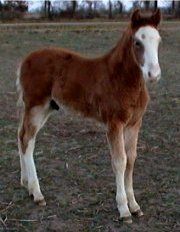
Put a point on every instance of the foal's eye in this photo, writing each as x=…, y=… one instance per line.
x=137, y=43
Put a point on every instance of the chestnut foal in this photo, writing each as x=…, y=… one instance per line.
x=111, y=89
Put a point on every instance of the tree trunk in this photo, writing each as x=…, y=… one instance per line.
x=90, y=10
x=155, y=5
x=47, y=9
x=147, y=5
x=173, y=7
x=110, y=9
x=136, y=4
x=178, y=9
x=120, y=7
x=95, y=7
x=74, y=6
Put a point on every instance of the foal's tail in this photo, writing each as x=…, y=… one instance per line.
x=19, y=88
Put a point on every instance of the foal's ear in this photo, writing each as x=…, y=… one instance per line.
x=156, y=17
x=135, y=18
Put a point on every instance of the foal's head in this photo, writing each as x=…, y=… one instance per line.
x=146, y=40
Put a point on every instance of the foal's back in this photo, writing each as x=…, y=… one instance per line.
x=61, y=74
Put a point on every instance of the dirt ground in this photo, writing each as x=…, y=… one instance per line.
x=72, y=156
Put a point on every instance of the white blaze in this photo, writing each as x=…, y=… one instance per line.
x=150, y=39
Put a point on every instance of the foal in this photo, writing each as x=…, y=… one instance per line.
x=111, y=89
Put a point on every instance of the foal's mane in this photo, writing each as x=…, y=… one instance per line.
x=121, y=59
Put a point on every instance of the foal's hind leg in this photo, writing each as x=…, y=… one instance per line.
x=33, y=120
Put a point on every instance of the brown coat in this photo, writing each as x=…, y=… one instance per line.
x=107, y=88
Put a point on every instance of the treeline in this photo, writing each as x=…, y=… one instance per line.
x=80, y=9
x=13, y=9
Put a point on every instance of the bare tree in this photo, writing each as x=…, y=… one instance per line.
x=95, y=6
x=13, y=9
x=146, y=5
x=173, y=6
x=120, y=6
x=1, y=6
x=47, y=9
x=155, y=5
x=110, y=9
x=21, y=6
x=74, y=7
x=90, y=11
x=136, y=4
x=177, y=9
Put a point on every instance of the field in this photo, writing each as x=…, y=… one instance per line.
x=72, y=156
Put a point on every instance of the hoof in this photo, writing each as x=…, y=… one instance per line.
x=138, y=213
x=40, y=202
x=127, y=220
x=31, y=194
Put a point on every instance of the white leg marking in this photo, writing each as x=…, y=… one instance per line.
x=24, y=177
x=119, y=159
x=133, y=205
x=131, y=137
x=119, y=169
x=33, y=183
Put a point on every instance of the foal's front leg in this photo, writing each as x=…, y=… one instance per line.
x=131, y=137
x=119, y=161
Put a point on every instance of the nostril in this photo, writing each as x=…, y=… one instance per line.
x=149, y=74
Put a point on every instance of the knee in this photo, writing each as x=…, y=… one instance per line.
x=131, y=153
x=130, y=163
x=119, y=163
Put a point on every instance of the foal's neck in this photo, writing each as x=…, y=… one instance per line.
x=122, y=62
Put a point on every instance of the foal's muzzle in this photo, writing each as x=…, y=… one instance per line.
x=154, y=73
